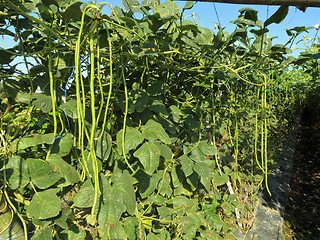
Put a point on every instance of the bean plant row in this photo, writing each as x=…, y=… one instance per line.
x=140, y=124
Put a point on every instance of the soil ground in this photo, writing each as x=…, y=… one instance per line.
x=302, y=214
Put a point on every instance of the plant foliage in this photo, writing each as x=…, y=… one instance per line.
x=125, y=127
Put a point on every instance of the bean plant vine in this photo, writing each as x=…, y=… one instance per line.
x=151, y=127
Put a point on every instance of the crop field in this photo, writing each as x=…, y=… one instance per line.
x=118, y=127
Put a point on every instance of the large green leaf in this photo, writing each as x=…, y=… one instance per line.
x=187, y=165
x=62, y=146
x=159, y=107
x=203, y=170
x=219, y=180
x=19, y=176
x=132, y=138
x=123, y=191
x=207, y=149
x=44, y=233
x=113, y=229
x=73, y=232
x=109, y=207
x=71, y=108
x=149, y=156
x=168, y=10
x=177, y=176
x=134, y=228
x=6, y=57
x=109, y=203
x=61, y=221
x=40, y=100
x=132, y=5
x=103, y=145
x=188, y=5
x=45, y=12
x=153, y=131
x=43, y=174
x=67, y=171
x=30, y=141
x=278, y=16
x=84, y=198
x=166, y=189
x=44, y=205
x=189, y=225
x=73, y=11
x=175, y=113
x=147, y=184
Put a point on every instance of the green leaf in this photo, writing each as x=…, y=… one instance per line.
x=123, y=191
x=183, y=204
x=175, y=113
x=73, y=11
x=44, y=233
x=20, y=174
x=197, y=155
x=6, y=57
x=44, y=205
x=113, y=201
x=84, y=198
x=159, y=107
x=165, y=152
x=108, y=204
x=193, y=181
x=204, y=37
x=278, y=16
x=165, y=187
x=133, y=138
x=168, y=10
x=153, y=131
x=109, y=207
x=45, y=12
x=40, y=100
x=71, y=108
x=214, y=221
x=134, y=228
x=147, y=184
x=42, y=174
x=187, y=165
x=249, y=13
x=31, y=140
x=203, y=170
x=67, y=171
x=132, y=5
x=189, y=42
x=113, y=229
x=61, y=221
x=62, y=146
x=73, y=232
x=189, y=225
x=149, y=156
x=220, y=179
x=87, y=156
x=177, y=176
x=103, y=145
x=207, y=149
x=188, y=5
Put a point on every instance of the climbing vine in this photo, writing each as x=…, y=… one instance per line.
x=140, y=128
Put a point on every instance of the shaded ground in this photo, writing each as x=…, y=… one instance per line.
x=302, y=214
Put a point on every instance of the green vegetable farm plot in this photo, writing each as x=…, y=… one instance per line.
x=140, y=128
